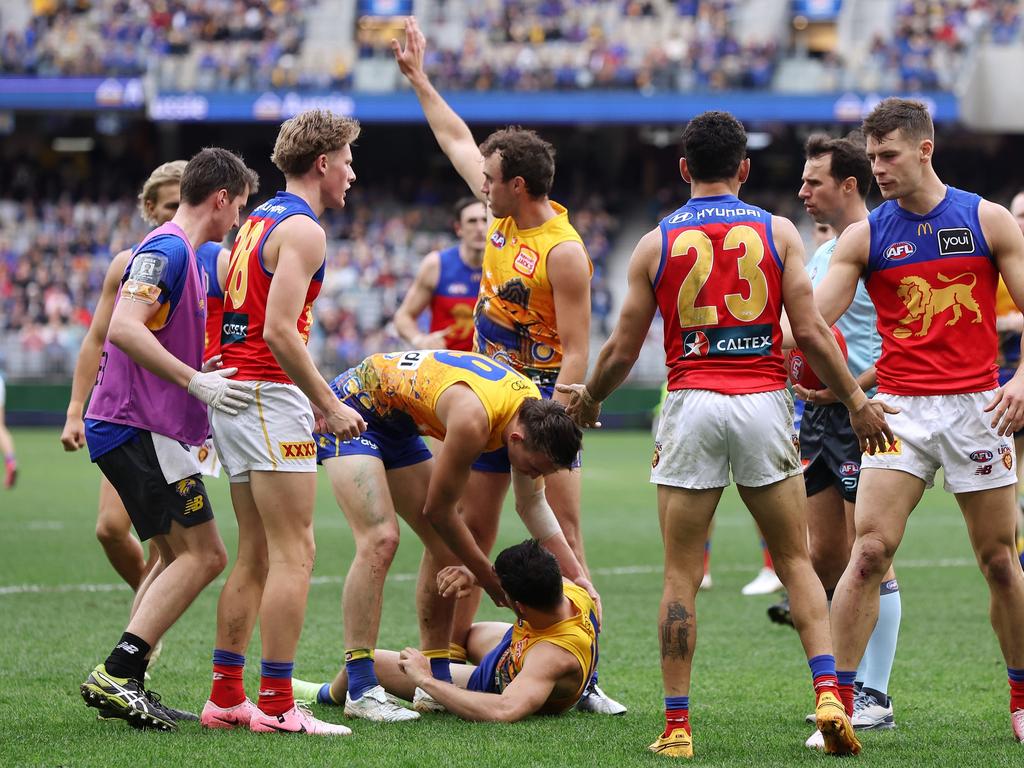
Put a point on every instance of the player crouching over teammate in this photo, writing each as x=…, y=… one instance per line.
x=539, y=665
x=473, y=404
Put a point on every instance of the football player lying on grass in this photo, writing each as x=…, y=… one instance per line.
x=539, y=665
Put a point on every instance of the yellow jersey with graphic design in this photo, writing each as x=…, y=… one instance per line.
x=401, y=389
x=515, y=314
x=577, y=635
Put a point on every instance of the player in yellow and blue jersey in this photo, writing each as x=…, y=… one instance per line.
x=473, y=404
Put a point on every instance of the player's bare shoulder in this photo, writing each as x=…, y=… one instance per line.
x=301, y=235
x=787, y=240
x=116, y=270
x=646, y=258
x=854, y=244
x=999, y=228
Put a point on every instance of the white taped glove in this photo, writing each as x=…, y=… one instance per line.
x=219, y=392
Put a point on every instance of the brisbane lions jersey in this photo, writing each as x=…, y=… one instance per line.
x=933, y=282
x=248, y=284
x=719, y=289
x=452, y=304
x=207, y=255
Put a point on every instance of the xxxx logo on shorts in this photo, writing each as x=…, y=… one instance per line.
x=896, y=449
x=300, y=450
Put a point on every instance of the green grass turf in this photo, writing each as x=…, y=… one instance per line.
x=751, y=683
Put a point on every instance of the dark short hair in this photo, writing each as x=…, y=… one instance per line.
x=530, y=575
x=547, y=428
x=714, y=145
x=462, y=204
x=848, y=158
x=525, y=154
x=910, y=117
x=213, y=169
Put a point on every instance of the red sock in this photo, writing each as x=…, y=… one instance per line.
x=275, y=695
x=767, y=555
x=824, y=683
x=677, y=718
x=227, y=690
x=846, y=695
x=1016, y=694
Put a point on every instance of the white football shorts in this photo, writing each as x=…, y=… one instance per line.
x=274, y=434
x=948, y=431
x=703, y=434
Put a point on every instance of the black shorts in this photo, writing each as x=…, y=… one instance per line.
x=829, y=450
x=134, y=470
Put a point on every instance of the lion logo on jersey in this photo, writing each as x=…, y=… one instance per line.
x=924, y=302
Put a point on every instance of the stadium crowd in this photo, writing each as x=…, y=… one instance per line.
x=243, y=44
x=53, y=256
x=521, y=45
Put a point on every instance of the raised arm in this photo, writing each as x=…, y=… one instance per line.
x=450, y=130
x=72, y=437
x=620, y=352
x=569, y=272
x=416, y=301
x=301, y=247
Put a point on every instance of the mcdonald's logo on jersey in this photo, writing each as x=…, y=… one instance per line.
x=924, y=228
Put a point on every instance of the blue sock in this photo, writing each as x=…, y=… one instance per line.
x=277, y=669
x=323, y=696
x=876, y=664
x=825, y=664
x=228, y=658
x=361, y=676
x=677, y=702
x=846, y=678
x=441, y=669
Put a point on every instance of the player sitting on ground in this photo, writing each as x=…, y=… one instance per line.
x=473, y=404
x=539, y=665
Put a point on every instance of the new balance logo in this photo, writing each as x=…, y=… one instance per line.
x=128, y=648
x=269, y=693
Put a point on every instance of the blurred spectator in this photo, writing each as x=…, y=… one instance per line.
x=53, y=257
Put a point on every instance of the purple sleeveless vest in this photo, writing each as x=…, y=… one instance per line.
x=129, y=394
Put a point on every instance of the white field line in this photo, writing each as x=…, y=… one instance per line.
x=622, y=570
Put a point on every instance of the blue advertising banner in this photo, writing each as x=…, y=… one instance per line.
x=607, y=107
x=71, y=93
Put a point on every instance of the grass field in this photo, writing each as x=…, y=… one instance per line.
x=62, y=606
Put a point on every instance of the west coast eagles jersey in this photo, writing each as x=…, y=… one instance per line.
x=406, y=386
x=515, y=315
x=577, y=635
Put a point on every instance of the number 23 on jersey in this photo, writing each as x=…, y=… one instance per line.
x=743, y=245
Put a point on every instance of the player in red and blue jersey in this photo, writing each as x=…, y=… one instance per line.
x=213, y=260
x=931, y=256
x=448, y=282
x=276, y=269
x=720, y=271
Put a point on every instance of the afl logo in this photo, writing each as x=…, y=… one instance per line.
x=695, y=344
x=849, y=468
x=679, y=218
x=898, y=251
x=981, y=456
x=498, y=240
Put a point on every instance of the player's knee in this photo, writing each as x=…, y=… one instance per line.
x=109, y=533
x=1001, y=568
x=872, y=557
x=213, y=560
x=380, y=545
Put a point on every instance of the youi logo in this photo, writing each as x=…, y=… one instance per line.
x=901, y=250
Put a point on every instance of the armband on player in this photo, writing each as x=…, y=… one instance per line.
x=144, y=281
